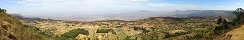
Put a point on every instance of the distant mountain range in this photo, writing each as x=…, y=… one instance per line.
x=145, y=14
x=203, y=13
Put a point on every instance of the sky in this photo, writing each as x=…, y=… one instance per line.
x=104, y=7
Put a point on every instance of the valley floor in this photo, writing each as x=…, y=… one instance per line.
x=155, y=28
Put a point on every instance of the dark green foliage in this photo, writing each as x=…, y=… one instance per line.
x=179, y=33
x=104, y=30
x=139, y=28
x=128, y=38
x=74, y=33
x=203, y=32
x=118, y=26
x=154, y=35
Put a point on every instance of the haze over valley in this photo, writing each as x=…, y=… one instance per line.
x=121, y=19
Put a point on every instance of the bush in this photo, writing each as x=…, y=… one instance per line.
x=203, y=32
x=104, y=30
x=74, y=33
x=164, y=35
x=177, y=32
x=128, y=38
x=118, y=26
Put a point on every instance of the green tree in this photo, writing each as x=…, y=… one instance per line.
x=74, y=33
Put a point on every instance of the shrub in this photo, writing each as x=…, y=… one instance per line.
x=164, y=35
x=177, y=32
x=74, y=33
x=203, y=32
x=118, y=26
x=104, y=30
x=128, y=38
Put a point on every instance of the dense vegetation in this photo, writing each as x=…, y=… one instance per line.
x=74, y=33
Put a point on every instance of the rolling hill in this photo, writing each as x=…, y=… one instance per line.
x=13, y=29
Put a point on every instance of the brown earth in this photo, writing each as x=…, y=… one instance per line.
x=12, y=29
x=236, y=34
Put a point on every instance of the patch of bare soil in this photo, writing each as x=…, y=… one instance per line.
x=236, y=34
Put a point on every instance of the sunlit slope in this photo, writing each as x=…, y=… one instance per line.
x=235, y=34
x=12, y=29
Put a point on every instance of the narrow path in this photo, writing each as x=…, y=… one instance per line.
x=237, y=34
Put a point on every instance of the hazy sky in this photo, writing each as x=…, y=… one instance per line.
x=96, y=7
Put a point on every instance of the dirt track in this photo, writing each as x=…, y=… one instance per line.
x=236, y=34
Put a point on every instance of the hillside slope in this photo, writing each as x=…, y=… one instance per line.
x=233, y=30
x=12, y=29
x=235, y=34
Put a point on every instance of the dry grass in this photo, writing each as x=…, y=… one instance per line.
x=13, y=29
